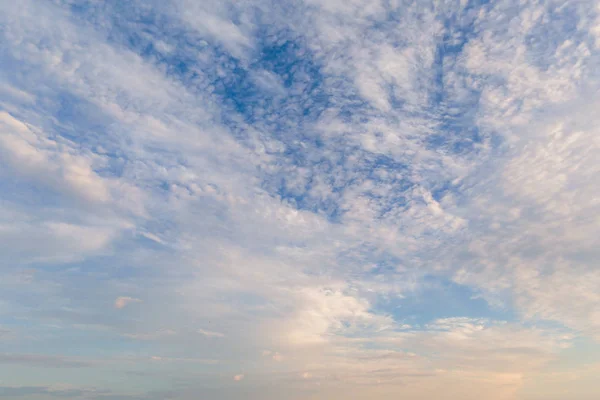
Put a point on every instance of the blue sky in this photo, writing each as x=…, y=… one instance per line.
x=300, y=199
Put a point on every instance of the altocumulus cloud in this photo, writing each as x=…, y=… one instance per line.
x=398, y=199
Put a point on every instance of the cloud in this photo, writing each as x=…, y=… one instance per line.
x=123, y=301
x=211, y=19
x=150, y=336
x=535, y=223
x=330, y=311
x=44, y=361
x=34, y=156
x=238, y=378
x=210, y=334
x=21, y=391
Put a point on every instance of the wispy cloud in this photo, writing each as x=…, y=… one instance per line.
x=210, y=334
x=39, y=360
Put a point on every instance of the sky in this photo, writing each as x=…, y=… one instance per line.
x=299, y=199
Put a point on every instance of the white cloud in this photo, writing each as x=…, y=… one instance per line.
x=34, y=156
x=536, y=211
x=145, y=336
x=47, y=241
x=210, y=334
x=210, y=19
x=326, y=312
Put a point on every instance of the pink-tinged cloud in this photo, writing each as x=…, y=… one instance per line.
x=275, y=356
x=238, y=378
x=123, y=301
